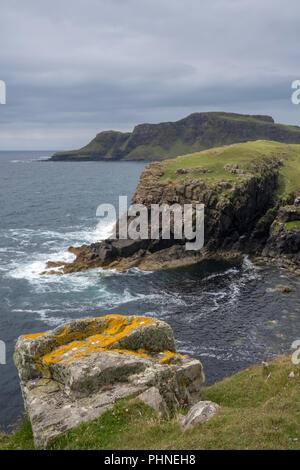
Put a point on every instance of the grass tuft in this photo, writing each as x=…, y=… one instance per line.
x=259, y=410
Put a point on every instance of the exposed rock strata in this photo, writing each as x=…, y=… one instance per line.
x=245, y=213
x=168, y=139
x=80, y=369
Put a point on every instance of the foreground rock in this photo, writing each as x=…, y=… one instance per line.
x=153, y=398
x=200, y=413
x=280, y=288
x=80, y=369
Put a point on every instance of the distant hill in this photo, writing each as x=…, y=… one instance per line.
x=196, y=132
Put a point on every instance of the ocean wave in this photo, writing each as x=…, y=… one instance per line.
x=109, y=299
x=32, y=265
x=78, y=234
x=31, y=160
x=45, y=315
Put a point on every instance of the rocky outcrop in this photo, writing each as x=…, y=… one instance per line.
x=284, y=235
x=200, y=413
x=80, y=369
x=245, y=213
x=153, y=398
x=168, y=139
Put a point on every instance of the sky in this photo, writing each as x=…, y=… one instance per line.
x=73, y=68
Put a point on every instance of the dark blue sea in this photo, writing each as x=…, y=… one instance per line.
x=220, y=312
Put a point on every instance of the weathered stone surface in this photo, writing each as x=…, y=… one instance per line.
x=153, y=398
x=200, y=413
x=78, y=370
x=283, y=289
x=284, y=242
x=52, y=412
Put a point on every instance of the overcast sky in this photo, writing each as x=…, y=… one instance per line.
x=76, y=67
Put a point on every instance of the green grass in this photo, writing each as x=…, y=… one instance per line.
x=252, y=119
x=243, y=154
x=194, y=133
x=292, y=225
x=259, y=410
x=19, y=440
x=155, y=151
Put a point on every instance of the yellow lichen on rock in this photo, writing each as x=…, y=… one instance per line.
x=116, y=328
x=114, y=325
x=75, y=344
x=92, y=344
x=168, y=356
x=77, y=371
x=35, y=335
x=142, y=337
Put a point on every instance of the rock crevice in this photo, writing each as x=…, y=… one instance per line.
x=80, y=369
x=248, y=209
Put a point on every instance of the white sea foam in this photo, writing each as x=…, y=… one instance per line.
x=31, y=270
x=221, y=274
x=30, y=160
x=109, y=299
x=45, y=315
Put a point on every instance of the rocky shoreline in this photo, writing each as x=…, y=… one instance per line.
x=245, y=213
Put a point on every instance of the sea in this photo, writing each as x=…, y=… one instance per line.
x=224, y=314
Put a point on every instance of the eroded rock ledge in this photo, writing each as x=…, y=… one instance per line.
x=251, y=195
x=80, y=369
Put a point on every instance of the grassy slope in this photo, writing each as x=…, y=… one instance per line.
x=260, y=409
x=212, y=132
x=242, y=154
x=293, y=224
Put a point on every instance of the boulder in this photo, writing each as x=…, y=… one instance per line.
x=153, y=398
x=80, y=369
x=200, y=413
x=283, y=289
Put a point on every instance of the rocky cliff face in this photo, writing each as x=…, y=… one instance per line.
x=194, y=133
x=80, y=369
x=251, y=196
x=284, y=234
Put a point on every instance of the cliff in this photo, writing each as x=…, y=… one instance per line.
x=194, y=133
x=251, y=194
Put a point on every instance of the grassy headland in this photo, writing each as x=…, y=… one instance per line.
x=248, y=156
x=196, y=132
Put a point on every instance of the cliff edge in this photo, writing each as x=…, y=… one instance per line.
x=194, y=133
x=251, y=195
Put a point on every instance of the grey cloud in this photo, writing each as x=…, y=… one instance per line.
x=74, y=68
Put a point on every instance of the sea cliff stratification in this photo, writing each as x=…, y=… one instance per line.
x=196, y=132
x=251, y=196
